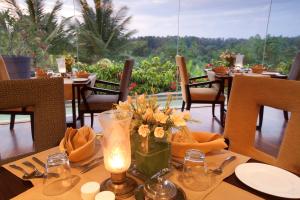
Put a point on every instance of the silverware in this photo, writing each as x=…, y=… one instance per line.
x=90, y=167
x=42, y=164
x=25, y=174
x=75, y=165
x=38, y=161
x=219, y=170
x=37, y=173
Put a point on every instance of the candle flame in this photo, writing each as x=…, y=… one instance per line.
x=117, y=159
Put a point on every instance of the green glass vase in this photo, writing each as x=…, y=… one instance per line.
x=153, y=158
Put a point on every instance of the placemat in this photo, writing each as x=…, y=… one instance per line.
x=233, y=180
x=11, y=185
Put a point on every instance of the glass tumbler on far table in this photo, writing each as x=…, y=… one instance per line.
x=195, y=175
x=58, y=177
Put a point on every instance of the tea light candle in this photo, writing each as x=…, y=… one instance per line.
x=89, y=190
x=105, y=195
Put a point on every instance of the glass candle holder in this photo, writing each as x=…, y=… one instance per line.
x=117, y=152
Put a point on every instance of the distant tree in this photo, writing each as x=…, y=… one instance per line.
x=40, y=30
x=103, y=32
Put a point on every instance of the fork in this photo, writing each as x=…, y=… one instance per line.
x=37, y=173
x=26, y=175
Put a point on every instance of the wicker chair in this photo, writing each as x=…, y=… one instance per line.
x=46, y=96
x=212, y=94
x=14, y=111
x=96, y=102
x=248, y=94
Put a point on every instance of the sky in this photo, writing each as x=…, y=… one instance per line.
x=206, y=18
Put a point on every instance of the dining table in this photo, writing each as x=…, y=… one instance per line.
x=72, y=88
x=223, y=186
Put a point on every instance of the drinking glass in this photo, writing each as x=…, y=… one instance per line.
x=195, y=175
x=61, y=65
x=58, y=177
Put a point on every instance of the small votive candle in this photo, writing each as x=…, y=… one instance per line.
x=105, y=195
x=89, y=190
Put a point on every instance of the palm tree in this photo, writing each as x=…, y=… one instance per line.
x=41, y=30
x=103, y=32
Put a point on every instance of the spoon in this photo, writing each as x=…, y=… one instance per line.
x=219, y=170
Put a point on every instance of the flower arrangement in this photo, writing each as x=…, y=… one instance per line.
x=229, y=56
x=69, y=60
x=150, y=121
x=151, y=131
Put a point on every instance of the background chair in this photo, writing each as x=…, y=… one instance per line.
x=248, y=94
x=212, y=94
x=46, y=96
x=96, y=102
x=294, y=74
x=14, y=111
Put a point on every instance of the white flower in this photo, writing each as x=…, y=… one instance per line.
x=148, y=114
x=160, y=117
x=159, y=132
x=144, y=130
x=123, y=106
x=178, y=120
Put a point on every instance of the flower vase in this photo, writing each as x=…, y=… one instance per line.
x=151, y=155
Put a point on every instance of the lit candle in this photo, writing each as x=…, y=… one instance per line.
x=105, y=195
x=89, y=190
x=116, y=159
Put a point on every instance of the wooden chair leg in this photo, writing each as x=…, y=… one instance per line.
x=81, y=118
x=213, y=110
x=32, y=125
x=286, y=115
x=222, y=111
x=182, y=107
x=92, y=119
x=12, y=121
x=261, y=117
x=188, y=107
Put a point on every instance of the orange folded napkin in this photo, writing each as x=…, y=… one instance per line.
x=40, y=73
x=258, y=69
x=82, y=74
x=221, y=70
x=78, y=144
x=203, y=141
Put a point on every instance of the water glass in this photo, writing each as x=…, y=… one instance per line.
x=195, y=175
x=58, y=177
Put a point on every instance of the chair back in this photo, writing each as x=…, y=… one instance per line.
x=125, y=79
x=184, y=77
x=3, y=71
x=46, y=96
x=247, y=95
x=295, y=69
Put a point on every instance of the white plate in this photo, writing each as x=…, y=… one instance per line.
x=80, y=79
x=269, y=179
x=270, y=73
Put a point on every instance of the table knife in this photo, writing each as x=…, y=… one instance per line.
x=38, y=161
x=90, y=167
